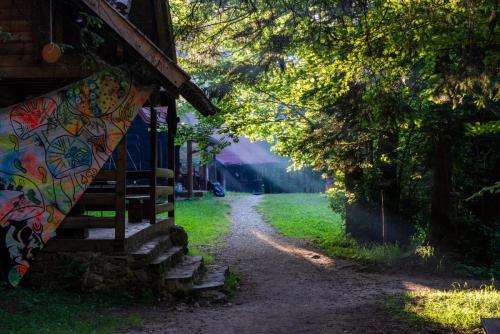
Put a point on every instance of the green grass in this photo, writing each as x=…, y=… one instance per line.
x=206, y=221
x=308, y=216
x=26, y=311
x=232, y=282
x=459, y=309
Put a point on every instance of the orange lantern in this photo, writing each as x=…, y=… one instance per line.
x=51, y=53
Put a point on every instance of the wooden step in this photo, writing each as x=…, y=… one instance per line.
x=214, y=278
x=149, y=250
x=143, y=235
x=182, y=277
x=78, y=222
x=103, y=239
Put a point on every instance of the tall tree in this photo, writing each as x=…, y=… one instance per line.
x=377, y=93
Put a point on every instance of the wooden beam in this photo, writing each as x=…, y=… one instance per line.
x=164, y=191
x=138, y=41
x=94, y=199
x=164, y=207
x=146, y=174
x=106, y=175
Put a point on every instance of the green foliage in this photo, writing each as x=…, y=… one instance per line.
x=232, y=282
x=90, y=41
x=203, y=133
x=24, y=311
x=460, y=309
x=4, y=36
x=337, y=201
x=494, y=189
x=481, y=129
x=363, y=89
x=308, y=216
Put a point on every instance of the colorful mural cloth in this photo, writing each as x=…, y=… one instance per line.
x=51, y=148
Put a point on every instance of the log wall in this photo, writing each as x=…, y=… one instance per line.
x=27, y=22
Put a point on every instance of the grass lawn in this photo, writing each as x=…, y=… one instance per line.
x=206, y=221
x=26, y=311
x=308, y=216
x=459, y=309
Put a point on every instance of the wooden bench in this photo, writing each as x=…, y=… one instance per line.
x=135, y=204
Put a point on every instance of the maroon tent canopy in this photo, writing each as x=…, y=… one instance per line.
x=245, y=152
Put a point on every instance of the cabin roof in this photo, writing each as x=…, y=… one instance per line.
x=112, y=14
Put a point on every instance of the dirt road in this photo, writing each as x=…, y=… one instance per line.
x=287, y=287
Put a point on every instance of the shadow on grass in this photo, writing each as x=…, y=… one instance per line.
x=25, y=311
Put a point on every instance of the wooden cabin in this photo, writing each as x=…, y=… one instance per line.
x=137, y=243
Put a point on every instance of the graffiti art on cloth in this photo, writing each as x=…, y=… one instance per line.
x=51, y=147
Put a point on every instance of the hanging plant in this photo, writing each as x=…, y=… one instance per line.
x=90, y=42
x=4, y=36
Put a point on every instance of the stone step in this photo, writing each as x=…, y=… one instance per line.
x=166, y=260
x=150, y=250
x=183, y=276
x=214, y=278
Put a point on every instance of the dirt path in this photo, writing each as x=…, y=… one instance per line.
x=287, y=287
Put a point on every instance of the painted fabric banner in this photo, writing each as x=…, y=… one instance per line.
x=51, y=148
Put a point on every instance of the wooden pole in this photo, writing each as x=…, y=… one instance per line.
x=153, y=163
x=121, y=188
x=172, y=130
x=189, y=181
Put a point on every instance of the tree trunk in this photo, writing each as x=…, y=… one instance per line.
x=362, y=218
x=393, y=227
x=441, y=205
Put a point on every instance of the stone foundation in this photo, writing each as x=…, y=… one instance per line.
x=87, y=271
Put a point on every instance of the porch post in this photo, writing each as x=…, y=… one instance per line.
x=153, y=163
x=172, y=129
x=121, y=188
x=189, y=180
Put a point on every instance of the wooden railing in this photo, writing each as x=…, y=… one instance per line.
x=115, y=190
x=143, y=194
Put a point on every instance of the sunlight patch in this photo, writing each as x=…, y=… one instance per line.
x=311, y=256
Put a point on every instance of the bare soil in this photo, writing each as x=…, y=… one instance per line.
x=289, y=286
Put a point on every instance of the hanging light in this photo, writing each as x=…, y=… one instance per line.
x=51, y=53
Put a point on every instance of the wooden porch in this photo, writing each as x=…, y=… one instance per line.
x=141, y=204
